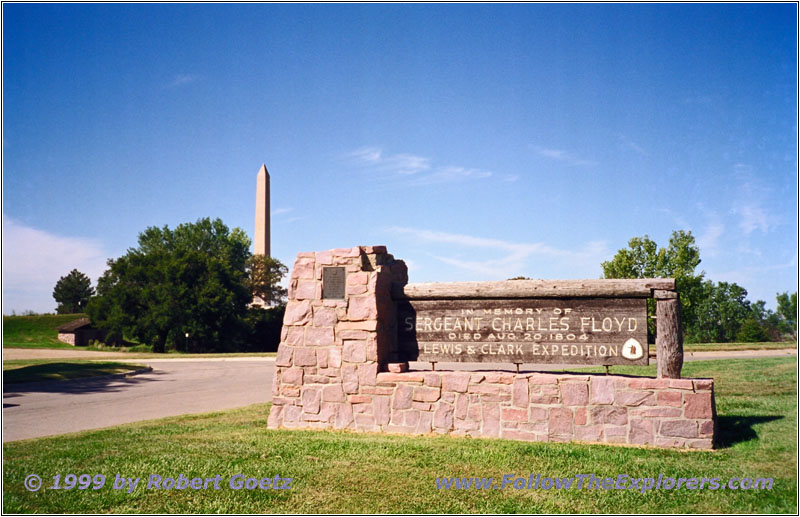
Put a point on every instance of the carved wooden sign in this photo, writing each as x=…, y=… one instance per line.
x=605, y=331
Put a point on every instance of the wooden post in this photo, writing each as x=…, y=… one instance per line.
x=669, y=334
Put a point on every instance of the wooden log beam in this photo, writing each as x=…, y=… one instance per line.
x=592, y=288
x=669, y=336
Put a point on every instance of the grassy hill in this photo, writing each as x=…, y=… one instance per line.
x=35, y=331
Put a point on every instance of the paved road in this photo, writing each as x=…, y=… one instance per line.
x=174, y=387
x=180, y=386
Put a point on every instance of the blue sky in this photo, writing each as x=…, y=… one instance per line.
x=478, y=142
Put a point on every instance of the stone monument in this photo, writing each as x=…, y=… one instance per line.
x=353, y=323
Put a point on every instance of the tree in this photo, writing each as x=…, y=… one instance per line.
x=719, y=313
x=72, y=292
x=787, y=309
x=184, y=289
x=644, y=259
x=264, y=275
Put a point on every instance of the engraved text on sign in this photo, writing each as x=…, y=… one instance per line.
x=568, y=330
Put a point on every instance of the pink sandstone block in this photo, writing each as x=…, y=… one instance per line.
x=560, y=421
x=422, y=394
x=333, y=393
x=349, y=378
x=544, y=394
x=670, y=442
x=317, y=379
x=297, y=313
x=322, y=358
x=457, y=382
x=274, y=421
x=324, y=257
x=408, y=377
x=514, y=414
x=466, y=425
x=659, y=412
x=681, y=384
x=443, y=417
x=303, y=268
x=703, y=384
x=402, y=397
x=574, y=393
x=519, y=395
x=476, y=378
x=543, y=378
x=589, y=433
x=365, y=422
x=377, y=390
x=334, y=357
x=353, y=252
x=367, y=374
x=353, y=290
x=382, y=410
x=275, y=382
x=397, y=367
x=284, y=357
x=324, y=317
x=645, y=383
x=305, y=357
x=352, y=334
x=319, y=336
x=641, y=432
x=635, y=398
x=411, y=418
x=615, y=431
x=581, y=416
x=701, y=444
x=359, y=399
x=295, y=336
x=602, y=390
x=500, y=377
x=537, y=414
x=311, y=399
x=491, y=419
x=422, y=406
x=697, y=405
x=462, y=403
x=290, y=391
x=669, y=398
x=425, y=424
x=706, y=429
x=371, y=325
x=433, y=379
x=291, y=413
x=362, y=308
x=679, y=428
x=305, y=254
x=513, y=434
x=306, y=290
x=490, y=389
x=292, y=376
x=358, y=278
x=354, y=351
x=609, y=415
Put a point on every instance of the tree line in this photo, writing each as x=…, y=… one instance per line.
x=713, y=312
x=191, y=289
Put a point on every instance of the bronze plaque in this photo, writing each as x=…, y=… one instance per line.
x=539, y=330
x=333, y=282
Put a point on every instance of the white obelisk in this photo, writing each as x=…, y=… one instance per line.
x=261, y=246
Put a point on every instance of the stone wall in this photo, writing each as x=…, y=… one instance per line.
x=67, y=337
x=333, y=353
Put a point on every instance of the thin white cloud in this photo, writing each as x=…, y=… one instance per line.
x=182, y=79
x=752, y=217
x=708, y=241
x=562, y=156
x=34, y=260
x=514, y=256
x=279, y=211
x=627, y=143
x=414, y=170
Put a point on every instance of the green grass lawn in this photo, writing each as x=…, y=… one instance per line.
x=35, y=331
x=345, y=472
x=713, y=347
x=33, y=370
